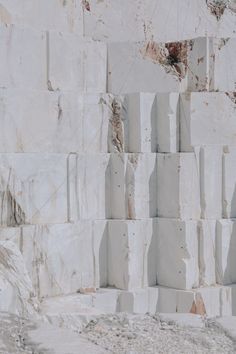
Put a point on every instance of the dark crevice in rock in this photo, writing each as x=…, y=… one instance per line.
x=172, y=56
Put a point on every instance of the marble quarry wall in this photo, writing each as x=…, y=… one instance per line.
x=118, y=154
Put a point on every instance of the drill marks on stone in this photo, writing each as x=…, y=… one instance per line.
x=132, y=164
x=171, y=56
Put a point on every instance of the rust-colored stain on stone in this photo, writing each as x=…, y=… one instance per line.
x=172, y=56
x=198, y=306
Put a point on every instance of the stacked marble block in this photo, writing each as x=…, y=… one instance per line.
x=53, y=154
x=193, y=133
x=118, y=190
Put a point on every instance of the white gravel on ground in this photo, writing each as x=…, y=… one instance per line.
x=132, y=334
x=119, y=333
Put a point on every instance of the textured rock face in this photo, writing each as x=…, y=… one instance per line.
x=118, y=156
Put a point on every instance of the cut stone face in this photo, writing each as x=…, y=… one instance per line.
x=229, y=183
x=136, y=67
x=207, y=249
x=225, y=251
x=131, y=253
x=44, y=15
x=17, y=293
x=168, y=122
x=142, y=122
x=207, y=118
x=133, y=186
x=76, y=65
x=23, y=58
x=33, y=188
x=46, y=250
x=210, y=65
x=211, y=182
x=178, y=194
x=124, y=21
x=177, y=253
x=210, y=301
x=89, y=186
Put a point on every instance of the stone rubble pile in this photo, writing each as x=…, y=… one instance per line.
x=117, y=164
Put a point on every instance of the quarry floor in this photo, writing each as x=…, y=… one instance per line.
x=120, y=333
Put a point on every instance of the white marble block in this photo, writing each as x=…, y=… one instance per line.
x=135, y=67
x=131, y=253
x=89, y=186
x=95, y=113
x=225, y=251
x=133, y=186
x=17, y=294
x=53, y=121
x=206, y=301
x=63, y=258
x=23, y=58
x=211, y=182
x=177, y=253
x=33, y=188
x=211, y=64
x=168, y=122
x=142, y=122
x=233, y=289
x=178, y=193
x=207, y=252
x=229, y=183
x=168, y=21
x=74, y=64
x=65, y=16
x=207, y=118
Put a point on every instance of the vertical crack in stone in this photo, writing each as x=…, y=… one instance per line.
x=117, y=126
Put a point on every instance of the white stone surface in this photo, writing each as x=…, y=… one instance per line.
x=207, y=252
x=233, y=290
x=207, y=118
x=229, y=184
x=211, y=64
x=165, y=21
x=76, y=65
x=65, y=16
x=17, y=294
x=209, y=301
x=177, y=253
x=211, y=182
x=142, y=122
x=225, y=251
x=33, y=188
x=63, y=258
x=133, y=186
x=168, y=122
x=90, y=179
x=131, y=259
x=23, y=58
x=178, y=193
x=131, y=69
